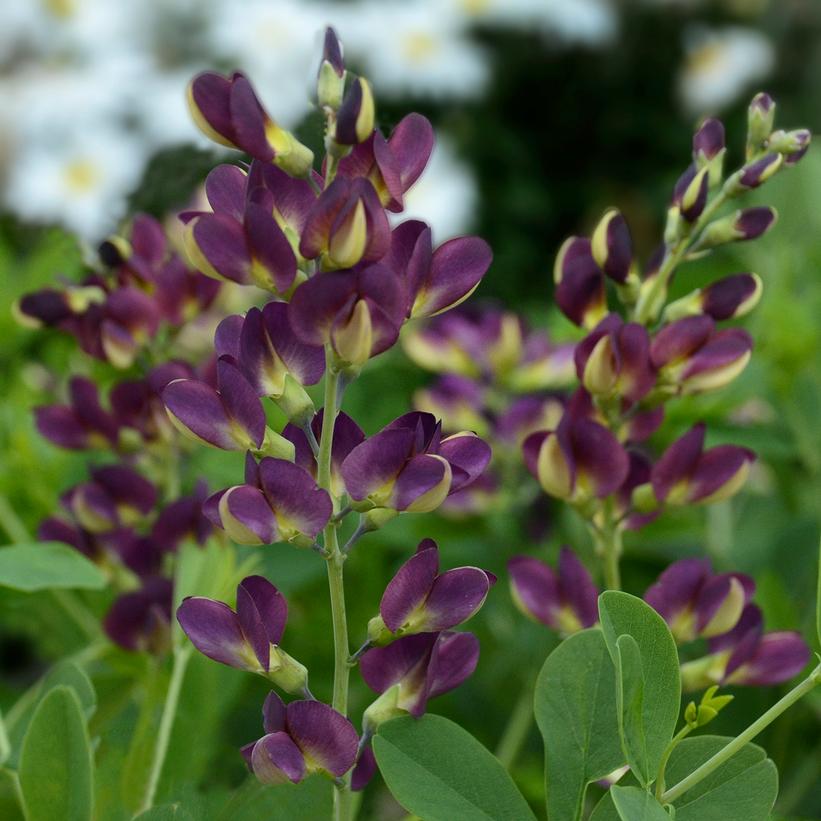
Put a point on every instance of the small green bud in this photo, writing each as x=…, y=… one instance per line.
x=286, y=672
x=295, y=402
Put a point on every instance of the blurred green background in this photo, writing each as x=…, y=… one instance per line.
x=557, y=128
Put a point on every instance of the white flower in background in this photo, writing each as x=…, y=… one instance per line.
x=444, y=196
x=81, y=183
x=585, y=21
x=416, y=47
x=277, y=43
x=721, y=64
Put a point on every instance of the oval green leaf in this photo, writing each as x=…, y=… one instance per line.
x=56, y=768
x=575, y=705
x=440, y=772
x=634, y=804
x=47, y=566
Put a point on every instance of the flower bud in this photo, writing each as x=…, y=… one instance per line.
x=331, y=79
x=611, y=246
x=286, y=672
x=709, y=149
x=579, y=282
x=792, y=144
x=353, y=339
x=754, y=174
x=748, y=223
x=728, y=298
x=355, y=119
x=760, y=118
x=694, y=197
x=295, y=402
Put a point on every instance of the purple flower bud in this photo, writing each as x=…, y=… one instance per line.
x=760, y=119
x=696, y=603
x=751, y=223
x=280, y=503
x=564, y=600
x=332, y=51
x=694, y=196
x=688, y=474
x=612, y=247
x=579, y=282
x=302, y=738
x=230, y=418
x=792, y=144
x=82, y=423
x=408, y=466
x=632, y=490
x=731, y=297
x=141, y=620
x=614, y=360
x=227, y=110
x=580, y=460
x=392, y=165
x=346, y=225
x=759, y=171
x=421, y=600
x=708, y=141
x=414, y=669
x=354, y=120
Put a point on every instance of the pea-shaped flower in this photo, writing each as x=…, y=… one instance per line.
x=279, y=502
x=408, y=466
x=564, y=599
x=302, y=738
x=579, y=283
x=421, y=600
x=695, y=602
x=246, y=638
x=688, y=474
x=141, y=619
x=81, y=424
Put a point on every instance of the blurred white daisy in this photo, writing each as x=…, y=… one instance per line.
x=444, y=196
x=721, y=64
x=418, y=47
x=81, y=184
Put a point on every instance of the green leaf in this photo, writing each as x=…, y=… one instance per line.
x=56, y=767
x=575, y=705
x=818, y=600
x=648, y=679
x=440, y=772
x=66, y=673
x=745, y=786
x=47, y=565
x=168, y=812
x=10, y=809
x=5, y=744
x=634, y=804
x=310, y=800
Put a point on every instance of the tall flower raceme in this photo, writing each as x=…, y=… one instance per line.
x=342, y=284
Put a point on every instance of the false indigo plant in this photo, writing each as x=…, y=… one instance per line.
x=342, y=278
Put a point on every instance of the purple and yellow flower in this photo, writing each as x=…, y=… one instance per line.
x=141, y=620
x=745, y=224
x=302, y=738
x=579, y=292
x=279, y=502
x=227, y=111
x=565, y=599
x=419, y=599
x=408, y=466
x=728, y=298
x=612, y=247
x=183, y=519
x=692, y=357
x=747, y=655
x=358, y=312
x=577, y=461
x=247, y=638
x=686, y=473
x=697, y=603
x=354, y=120
x=414, y=669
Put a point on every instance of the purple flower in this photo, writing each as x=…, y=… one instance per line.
x=695, y=602
x=230, y=418
x=227, y=110
x=301, y=738
x=354, y=120
x=392, y=165
x=614, y=360
x=748, y=656
x=579, y=292
x=183, y=519
x=708, y=141
x=279, y=502
x=690, y=192
x=580, y=460
x=728, y=298
x=140, y=620
x=759, y=171
x=436, y=280
x=692, y=357
x=414, y=669
x=612, y=247
x=82, y=423
x=688, y=474
x=458, y=401
x=346, y=226
x=409, y=466
x=358, y=312
x=565, y=600
x=246, y=638
x=419, y=599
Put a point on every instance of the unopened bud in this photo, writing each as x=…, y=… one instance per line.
x=383, y=709
x=355, y=120
x=295, y=402
x=694, y=197
x=286, y=672
x=353, y=341
x=277, y=446
x=331, y=80
x=748, y=223
x=612, y=247
x=754, y=174
x=792, y=144
x=760, y=119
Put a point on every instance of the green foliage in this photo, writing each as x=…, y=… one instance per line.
x=46, y=566
x=575, y=706
x=56, y=767
x=438, y=771
x=634, y=804
x=168, y=812
x=648, y=688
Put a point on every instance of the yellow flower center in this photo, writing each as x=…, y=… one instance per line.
x=81, y=176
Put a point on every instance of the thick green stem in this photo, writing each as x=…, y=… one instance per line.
x=172, y=700
x=336, y=585
x=517, y=729
x=727, y=752
x=679, y=736
x=607, y=539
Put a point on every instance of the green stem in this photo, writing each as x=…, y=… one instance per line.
x=517, y=729
x=728, y=751
x=336, y=583
x=681, y=734
x=172, y=700
x=607, y=539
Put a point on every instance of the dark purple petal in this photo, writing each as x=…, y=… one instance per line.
x=411, y=143
x=241, y=401
x=297, y=501
x=208, y=95
x=576, y=588
x=276, y=759
x=305, y=362
x=720, y=472
x=214, y=630
x=409, y=588
x=455, y=596
x=612, y=246
x=269, y=247
x=365, y=770
x=678, y=462
x=599, y=456
x=127, y=487
x=468, y=456
x=376, y=461
x=273, y=713
x=382, y=667
x=680, y=339
x=751, y=223
x=246, y=516
x=777, y=658
x=453, y=659
x=216, y=245
x=326, y=738
x=579, y=290
x=227, y=337
x=198, y=409
x=731, y=296
x=677, y=587
x=139, y=620
x=60, y=425
x=249, y=120
x=316, y=304
x=269, y=603
x=535, y=588
x=709, y=140
x=225, y=188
